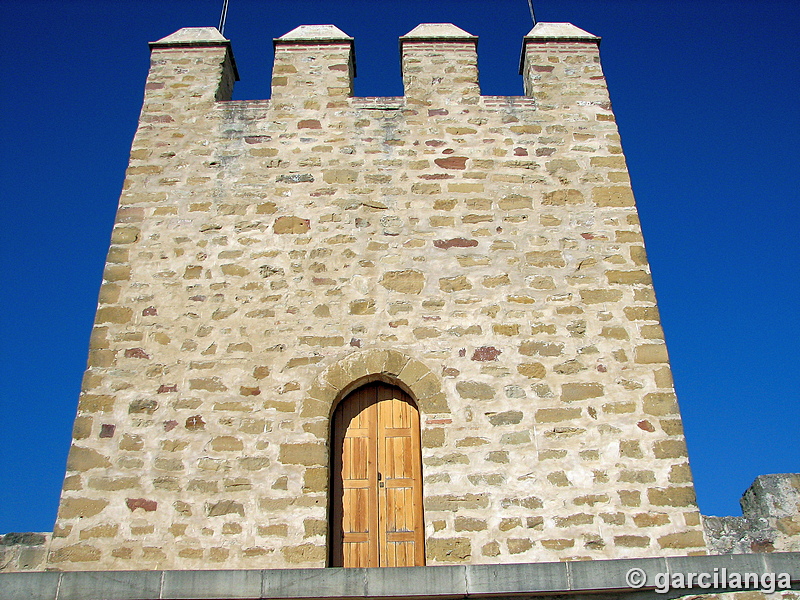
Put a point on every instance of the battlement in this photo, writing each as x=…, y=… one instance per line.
x=438, y=60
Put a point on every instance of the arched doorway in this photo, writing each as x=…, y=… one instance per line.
x=376, y=480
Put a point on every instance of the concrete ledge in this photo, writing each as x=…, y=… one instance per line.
x=576, y=579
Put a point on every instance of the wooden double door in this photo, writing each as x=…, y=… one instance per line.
x=376, y=507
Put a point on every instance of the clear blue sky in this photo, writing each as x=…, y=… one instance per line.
x=705, y=93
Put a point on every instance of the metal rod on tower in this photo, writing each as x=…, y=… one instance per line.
x=530, y=5
x=224, y=16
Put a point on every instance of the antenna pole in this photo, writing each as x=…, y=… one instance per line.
x=530, y=5
x=224, y=16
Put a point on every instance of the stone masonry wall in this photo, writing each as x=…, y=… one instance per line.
x=24, y=551
x=484, y=253
x=770, y=520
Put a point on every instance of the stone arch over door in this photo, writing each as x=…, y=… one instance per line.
x=376, y=517
x=365, y=366
x=362, y=367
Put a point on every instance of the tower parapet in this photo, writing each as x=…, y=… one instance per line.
x=313, y=62
x=560, y=63
x=440, y=65
x=193, y=62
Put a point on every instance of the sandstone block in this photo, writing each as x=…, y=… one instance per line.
x=541, y=349
x=71, y=508
x=650, y=519
x=519, y=545
x=114, y=314
x=563, y=197
x=669, y=449
x=490, y=549
x=448, y=549
x=631, y=541
x=647, y=354
x=558, y=544
x=308, y=454
x=85, y=459
x=532, y=370
x=291, y=225
x=224, y=507
x=660, y=404
x=681, y=540
x=615, y=196
x=475, y=390
x=571, y=392
x=75, y=553
x=340, y=176
x=226, y=443
x=470, y=524
x=672, y=496
x=614, y=333
x=452, y=502
x=454, y=284
x=209, y=384
x=509, y=417
x=545, y=258
x=515, y=202
x=629, y=277
x=600, y=296
x=113, y=484
x=574, y=520
x=364, y=306
x=556, y=415
x=304, y=553
x=641, y=313
x=406, y=282
x=315, y=480
x=433, y=438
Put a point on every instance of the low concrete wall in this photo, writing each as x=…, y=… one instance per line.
x=601, y=579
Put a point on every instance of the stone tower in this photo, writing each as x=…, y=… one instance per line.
x=279, y=268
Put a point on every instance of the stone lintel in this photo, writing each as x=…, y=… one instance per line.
x=555, y=32
x=560, y=32
x=192, y=36
x=314, y=35
x=579, y=579
x=196, y=37
x=437, y=32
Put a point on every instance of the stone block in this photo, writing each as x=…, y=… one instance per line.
x=313, y=583
x=304, y=553
x=195, y=584
x=406, y=282
x=616, y=196
x=30, y=585
x=411, y=582
x=449, y=550
x=650, y=353
x=672, y=496
x=475, y=390
x=513, y=579
x=308, y=454
x=571, y=392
